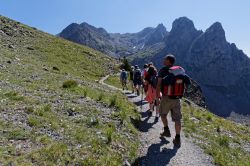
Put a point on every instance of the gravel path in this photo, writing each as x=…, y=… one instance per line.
x=159, y=151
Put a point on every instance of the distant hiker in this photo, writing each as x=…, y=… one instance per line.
x=151, y=97
x=131, y=78
x=150, y=64
x=171, y=82
x=124, y=79
x=137, y=80
x=144, y=74
x=144, y=71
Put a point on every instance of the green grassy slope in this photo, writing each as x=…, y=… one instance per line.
x=227, y=142
x=53, y=111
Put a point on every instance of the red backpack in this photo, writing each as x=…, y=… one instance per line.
x=174, y=83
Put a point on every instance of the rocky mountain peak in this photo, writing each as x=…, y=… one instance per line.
x=161, y=27
x=84, y=24
x=156, y=36
x=216, y=31
x=72, y=28
x=73, y=25
x=102, y=30
x=183, y=23
x=216, y=27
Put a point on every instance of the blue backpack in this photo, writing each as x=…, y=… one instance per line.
x=124, y=75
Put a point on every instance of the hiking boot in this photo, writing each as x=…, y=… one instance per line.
x=177, y=141
x=166, y=132
x=149, y=113
x=138, y=93
x=156, y=119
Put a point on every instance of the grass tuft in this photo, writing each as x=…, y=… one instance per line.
x=70, y=84
x=113, y=101
x=33, y=121
x=100, y=97
x=14, y=96
x=109, y=134
x=223, y=141
x=17, y=134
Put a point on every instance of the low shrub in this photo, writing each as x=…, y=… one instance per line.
x=70, y=84
x=112, y=101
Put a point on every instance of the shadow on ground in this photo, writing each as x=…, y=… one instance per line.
x=132, y=96
x=156, y=155
x=145, y=125
x=140, y=103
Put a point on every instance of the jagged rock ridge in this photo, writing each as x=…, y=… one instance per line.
x=114, y=44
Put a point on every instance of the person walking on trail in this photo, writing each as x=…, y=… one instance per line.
x=151, y=97
x=144, y=71
x=124, y=79
x=137, y=80
x=131, y=78
x=144, y=74
x=171, y=82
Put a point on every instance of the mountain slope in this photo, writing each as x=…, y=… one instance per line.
x=53, y=112
x=113, y=44
x=86, y=34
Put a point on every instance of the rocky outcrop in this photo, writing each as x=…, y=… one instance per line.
x=195, y=95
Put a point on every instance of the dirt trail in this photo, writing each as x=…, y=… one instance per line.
x=158, y=151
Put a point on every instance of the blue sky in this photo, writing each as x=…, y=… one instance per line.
x=133, y=15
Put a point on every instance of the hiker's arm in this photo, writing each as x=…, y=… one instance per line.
x=158, y=88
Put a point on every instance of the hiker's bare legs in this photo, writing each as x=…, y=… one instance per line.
x=166, y=131
x=132, y=86
x=151, y=107
x=164, y=120
x=157, y=111
x=135, y=88
x=125, y=85
x=138, y=88
x=178, y=128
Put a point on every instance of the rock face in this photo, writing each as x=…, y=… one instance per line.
x=220, y=68
x=196, y=95
x=86, y=34
x=113, y=44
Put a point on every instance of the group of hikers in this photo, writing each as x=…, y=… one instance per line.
x=163, y=91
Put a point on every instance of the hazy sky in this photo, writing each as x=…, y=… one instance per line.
x=133, y=15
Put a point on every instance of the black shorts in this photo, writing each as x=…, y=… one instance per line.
x=137, y=82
